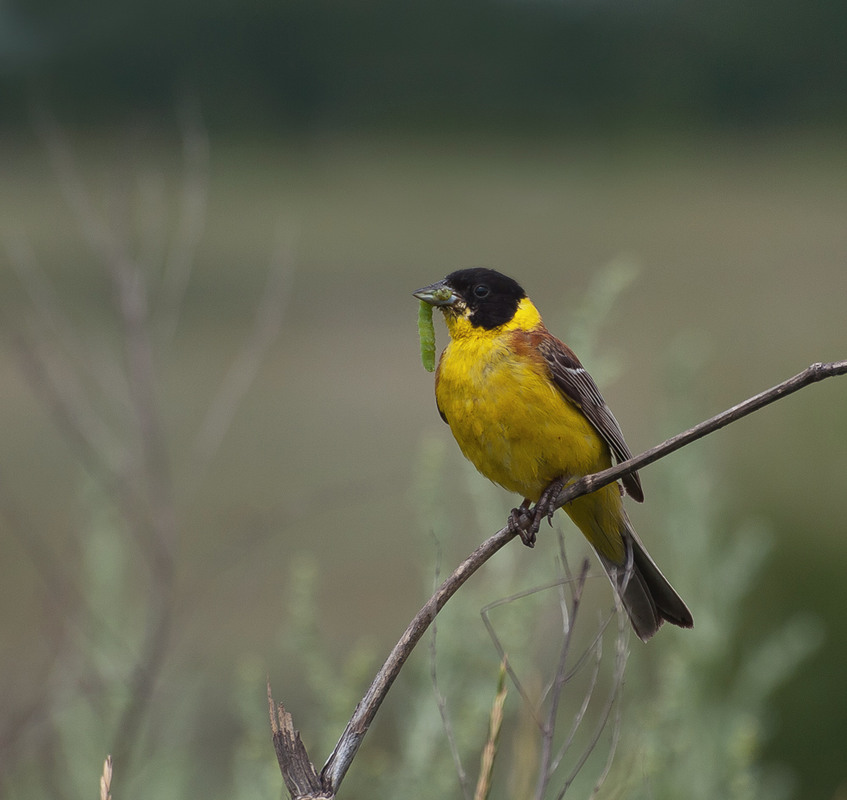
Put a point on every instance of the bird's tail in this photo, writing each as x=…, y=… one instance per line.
x=646, y=594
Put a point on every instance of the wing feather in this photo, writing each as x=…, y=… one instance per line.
x=579, y=387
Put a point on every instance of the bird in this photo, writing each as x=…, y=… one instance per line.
x=528, y=416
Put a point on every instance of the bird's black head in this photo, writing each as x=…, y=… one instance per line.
x=490, y=297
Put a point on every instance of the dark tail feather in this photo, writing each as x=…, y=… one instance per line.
x=646, y=595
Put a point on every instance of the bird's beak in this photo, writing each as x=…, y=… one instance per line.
x=438, y=294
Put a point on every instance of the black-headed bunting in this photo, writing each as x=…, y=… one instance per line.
x=528, y=416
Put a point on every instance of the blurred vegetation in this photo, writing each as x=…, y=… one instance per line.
x=693, y=719
x=315, y=467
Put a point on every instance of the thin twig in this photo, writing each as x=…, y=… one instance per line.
x=595, y=649
x=440, y=700
x=489, y=752
x=617, y=681
x=531, y=705
x=348, y=745
x=562, y=676
x=549, y=729
x=622, y=654
x=812, y=374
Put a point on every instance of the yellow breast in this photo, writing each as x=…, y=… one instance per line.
x=509, y=419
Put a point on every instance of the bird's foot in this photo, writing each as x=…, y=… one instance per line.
x=546, y=505
x=521, y=522
x=525, y=521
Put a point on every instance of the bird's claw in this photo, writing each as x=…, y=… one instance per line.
x=545, y=507
x=523, y=524
x=525, y=521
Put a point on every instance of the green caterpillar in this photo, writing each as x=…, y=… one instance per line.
x=426, y=333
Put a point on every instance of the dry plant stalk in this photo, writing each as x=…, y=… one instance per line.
x=486, y=767
x=106, y=780
x=302, y=780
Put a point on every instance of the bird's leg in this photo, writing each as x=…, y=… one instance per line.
x=545, y=507
x=521, y=521
x=526, y=521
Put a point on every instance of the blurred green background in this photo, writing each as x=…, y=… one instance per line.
x=280, y=177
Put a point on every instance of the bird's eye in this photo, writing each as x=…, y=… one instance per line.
x=481, y=290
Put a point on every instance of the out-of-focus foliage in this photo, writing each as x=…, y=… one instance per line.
x=740, y=239
x=329, y=63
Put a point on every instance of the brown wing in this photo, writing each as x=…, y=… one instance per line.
x=578, y=386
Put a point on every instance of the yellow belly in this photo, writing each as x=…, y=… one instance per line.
x=518, y=429
x=511, y=423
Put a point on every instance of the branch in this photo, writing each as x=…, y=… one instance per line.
x=338, y=763
x=348, y=745
x=812, y=374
